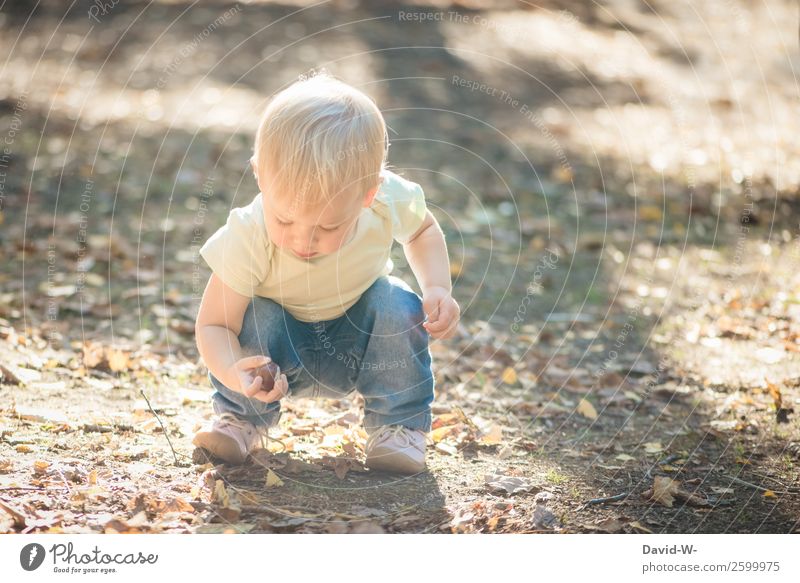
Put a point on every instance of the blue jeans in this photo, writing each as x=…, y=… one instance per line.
x=378, y=347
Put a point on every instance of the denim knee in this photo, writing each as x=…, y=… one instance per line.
x=396, y=376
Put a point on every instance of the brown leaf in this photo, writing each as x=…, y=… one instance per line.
x=117, y=526
x=16, y=515
x=177, y=504
x=228, y=514
x=367, y=527
x=341, y=467
x=664, y=490
x=610, y=524
x=220, y=495
x=8, y=376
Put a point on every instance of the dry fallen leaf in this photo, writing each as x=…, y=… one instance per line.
x=586, y=409
x=610, y=524
x=220, y=495
x=503, y=484
x=653, y=447
x=664, y=490
x=509, y=376
x=341, y=467
x=493, y=436
x=40, y=467
x=117, y=360
x=273, y=480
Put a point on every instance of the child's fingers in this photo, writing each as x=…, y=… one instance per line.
x=253, y=387
x=269, y=396
x=280, y=389
x=444, y=328
x=439, y=324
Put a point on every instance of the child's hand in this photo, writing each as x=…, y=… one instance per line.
x=250, y=384
x=442, y=311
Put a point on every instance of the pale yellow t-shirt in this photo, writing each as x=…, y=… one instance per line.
x=322, y=288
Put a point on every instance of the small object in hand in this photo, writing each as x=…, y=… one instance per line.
x=268, y=373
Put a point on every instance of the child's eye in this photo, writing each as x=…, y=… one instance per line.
x=331, y=229
x=280, y=222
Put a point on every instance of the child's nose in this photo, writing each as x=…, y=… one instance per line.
x=306, y=240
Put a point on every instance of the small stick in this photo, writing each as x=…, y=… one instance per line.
x=777, y=481
x=63, y=479
x=603, y=500
x=737, y=480
x=162, y=427
x=39, y=488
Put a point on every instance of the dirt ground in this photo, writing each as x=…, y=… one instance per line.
x=625, y=259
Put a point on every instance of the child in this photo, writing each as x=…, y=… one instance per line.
x=301, y=278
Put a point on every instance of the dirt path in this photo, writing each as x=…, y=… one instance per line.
x=629, y=354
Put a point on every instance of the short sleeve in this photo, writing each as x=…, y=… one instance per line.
x=237, y=252
x=405, y=202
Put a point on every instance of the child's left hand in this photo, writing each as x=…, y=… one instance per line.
x=442, y=311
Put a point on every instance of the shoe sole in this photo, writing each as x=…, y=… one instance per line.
x=393, y=461
x=220, y=446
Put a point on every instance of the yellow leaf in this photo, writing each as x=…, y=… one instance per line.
x=586, y=409
x=493, y=436
x=769, y=494
x=440, y=433
x=509, y=376
x=623, y=457
x=653, y=447
x=273, y=480
x=40, y=467
x=220, y=495
x=117, y=360
x=650, y=213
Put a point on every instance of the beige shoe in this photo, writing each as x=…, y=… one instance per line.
x=230, y=438
x=395, y=448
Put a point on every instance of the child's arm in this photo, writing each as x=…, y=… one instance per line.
x=219, y=322
x=426, y=252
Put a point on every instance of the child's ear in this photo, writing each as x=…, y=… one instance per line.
x=370, y=196
x=253, y=166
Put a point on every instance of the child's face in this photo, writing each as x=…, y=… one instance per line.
x=309, y=232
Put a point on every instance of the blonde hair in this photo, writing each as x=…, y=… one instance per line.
x=320, y=138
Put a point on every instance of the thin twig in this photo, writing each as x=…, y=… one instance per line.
x=39, y=488
x=164, y=429
x=603, y=500
x=757, y=487
x=777, y=481
x=63, y=479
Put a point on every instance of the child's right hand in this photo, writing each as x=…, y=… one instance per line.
x=249, y=384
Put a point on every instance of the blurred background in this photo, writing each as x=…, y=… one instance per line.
x=586, y=126
x=602, y=171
